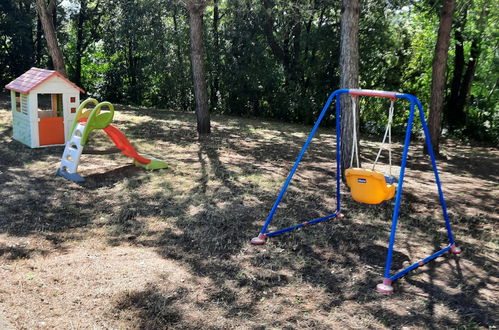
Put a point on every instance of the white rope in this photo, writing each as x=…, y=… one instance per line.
x=354, y=136
x=390, y=119
x=388, y=132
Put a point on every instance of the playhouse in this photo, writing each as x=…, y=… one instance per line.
x=43, y=105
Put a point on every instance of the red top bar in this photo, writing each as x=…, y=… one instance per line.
x=370, y=92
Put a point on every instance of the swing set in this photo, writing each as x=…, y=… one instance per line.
x=367, y=185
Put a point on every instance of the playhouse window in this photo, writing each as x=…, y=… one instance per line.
x=24, y=104
x=18, y=101
x=50, y=105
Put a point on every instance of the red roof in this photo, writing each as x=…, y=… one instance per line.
x=34, y=77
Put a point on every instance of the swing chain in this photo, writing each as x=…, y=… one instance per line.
x=388, y=132
x=354, y=135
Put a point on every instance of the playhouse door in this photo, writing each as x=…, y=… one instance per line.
x=51, y=130
x=50, y=120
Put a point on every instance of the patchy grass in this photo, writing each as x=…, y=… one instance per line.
x=170, y=249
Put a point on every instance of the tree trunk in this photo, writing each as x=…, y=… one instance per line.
x=46, y=17
x=79, y=41
x=349, y=66
x=467, y=81
x=180, y=58
x=268, y=29
x=289, y=52
x=196, y=11
x=438, y=74
x=215, y=85
x=469, y=74
x=39, y=47
x=132, y=70
x=454, y=114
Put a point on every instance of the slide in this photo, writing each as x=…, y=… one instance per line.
x=124, y=145
x=120, y=140
x=84, y=123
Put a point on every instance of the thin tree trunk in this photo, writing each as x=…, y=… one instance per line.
x=438, y=74
x=196, y=11
x=46, y=17
x=79, y=41
x=39, y=33
x=469, y=74
x=454, y=115
x=215, y=85
x=132, y=69
x=180, y=58
x=289, y=52
x=268, y=29
x=468, y=79
x=349, y=66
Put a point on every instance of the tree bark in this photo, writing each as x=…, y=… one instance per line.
x=438, y=74
x=215, y=85
x=349, y=67
x=469, y=74
x=467, y=81
x=268, y=29
x=180, y=58
x=46, y=16
x=196, y=10
x=455, y=115
x=132, y=69
x=289, y=52
x=38, y=43
x=82, y=16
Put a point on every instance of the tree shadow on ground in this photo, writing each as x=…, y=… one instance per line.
x=15, y=252
x=208, y=241
x=210, y=225
x=154, y=309
x=452, y=290
x=111, y=177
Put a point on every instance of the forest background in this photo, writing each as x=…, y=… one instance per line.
x=265, y=58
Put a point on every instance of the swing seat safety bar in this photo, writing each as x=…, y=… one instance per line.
x=386, y=286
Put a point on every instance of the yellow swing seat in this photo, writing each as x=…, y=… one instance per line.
x=369, y=187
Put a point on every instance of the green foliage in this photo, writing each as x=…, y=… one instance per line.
x=140, y=56
x=264, y=58
x=16, y=41
x=422, y=29
x=482, y=116
x=387, y=61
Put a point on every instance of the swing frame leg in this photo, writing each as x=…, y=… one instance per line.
x=263, y=235
x=386, y=287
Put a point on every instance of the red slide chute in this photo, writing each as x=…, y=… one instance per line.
x=124, y=145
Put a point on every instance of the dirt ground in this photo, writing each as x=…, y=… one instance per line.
x=169, y=249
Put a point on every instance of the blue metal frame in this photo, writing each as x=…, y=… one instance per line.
x=298, y=160
x=414, y=102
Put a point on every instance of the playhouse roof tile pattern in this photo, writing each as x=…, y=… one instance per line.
x=34, y=77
